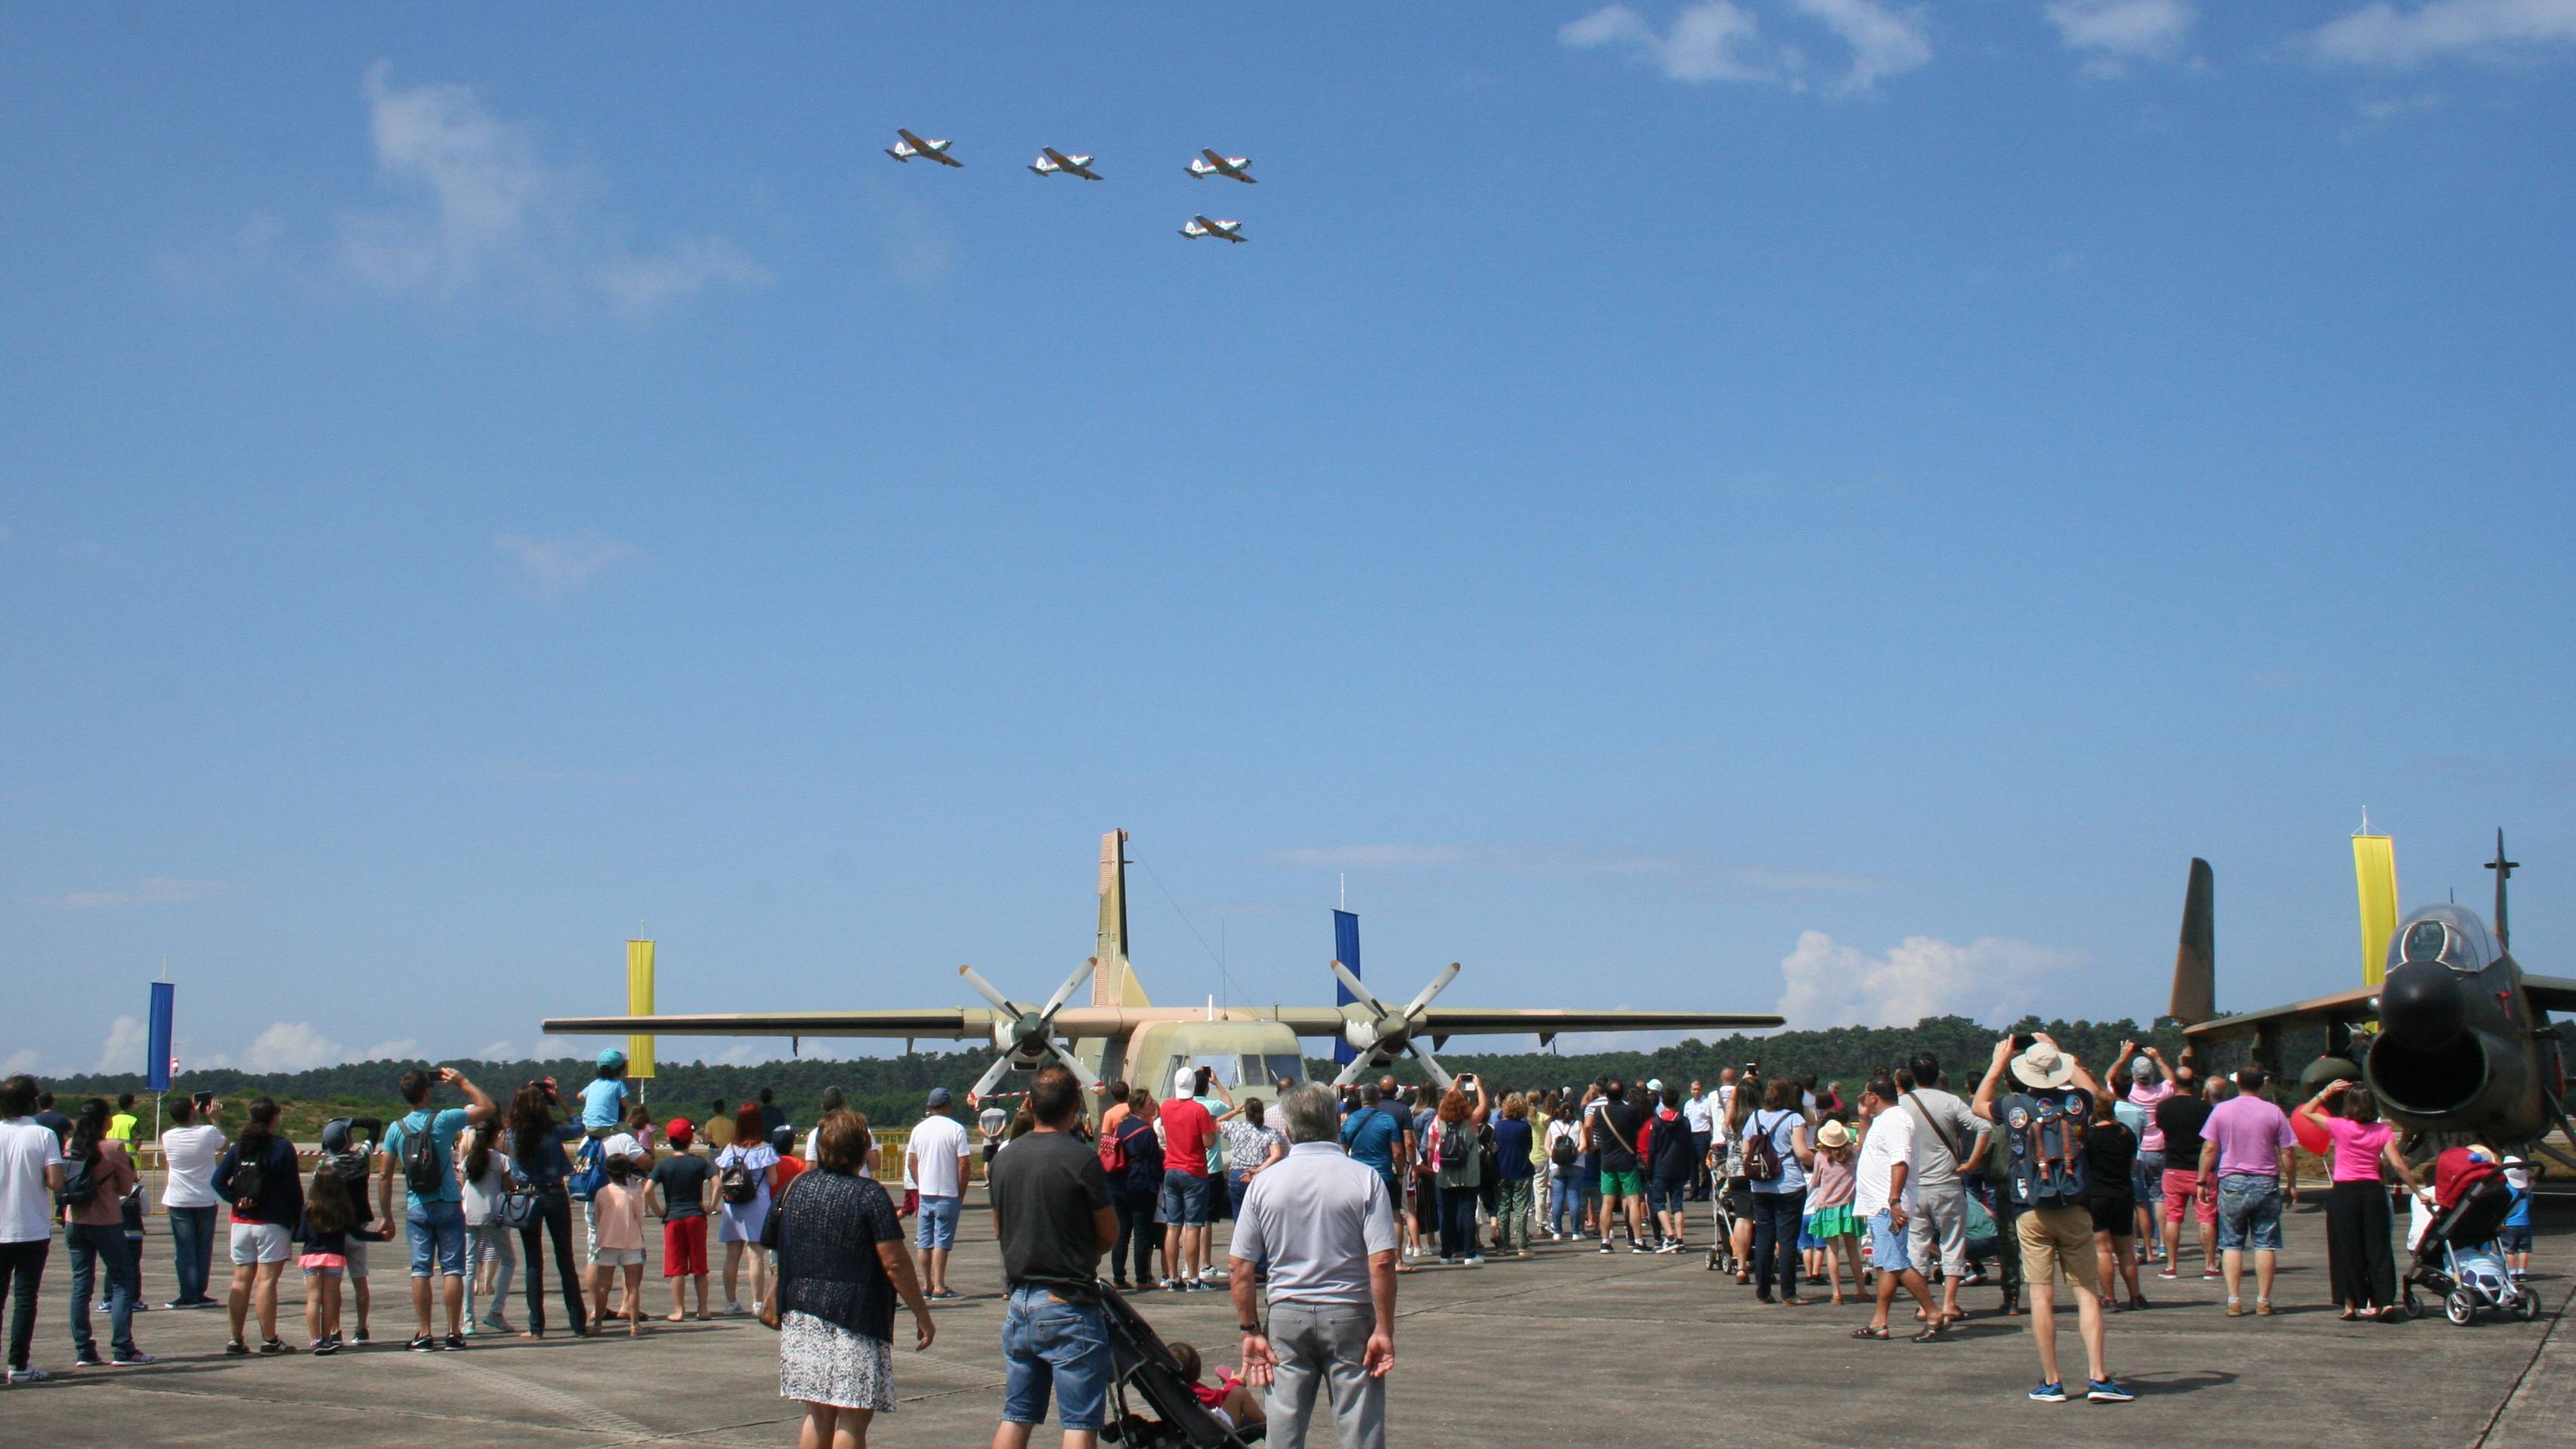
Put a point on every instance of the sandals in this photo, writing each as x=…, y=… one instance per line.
x=1867, y=1332
x=1931, y=1334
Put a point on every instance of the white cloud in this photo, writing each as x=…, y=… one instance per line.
x=21, y=1060
x=1707, y=41
x=2111, y=33
x=2381, y=34
x=127, y=1040
x=1563, y=861
x=402, y=1050
x=152, y=890
x=290, y=1046
x=1884, y=42
x=495, y=1051
x=551, y=1048
x=482, y=208
x=557, y=564
x=1828, y=984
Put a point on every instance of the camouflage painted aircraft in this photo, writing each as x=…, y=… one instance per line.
x=2455, y=1042
x=1121, y=1034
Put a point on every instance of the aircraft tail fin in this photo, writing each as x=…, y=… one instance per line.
x=2195, y=979
x=1114, y=983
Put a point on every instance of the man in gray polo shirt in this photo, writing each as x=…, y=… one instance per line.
x=1948, y=1139
x=1327, y=1228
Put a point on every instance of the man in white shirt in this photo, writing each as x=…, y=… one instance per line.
x=31, y=1172
x=190, y=1150
x=934, y=1162
x=1697, y=1111
x=1883, y=1197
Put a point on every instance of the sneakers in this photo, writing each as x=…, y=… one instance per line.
x=1605, y=1246
x=324, y=1347
x=28, y=1375
x=2104, y=1391
x=456, y=1342
x=136, y=1359
x=237, y=1348
x=1555, y=1237
x=733, y=1309
x=1475, y=1260
x=2048, y=1394
x=2210, y=1275
x=88, y=1360
x=1635, y=1247
x=420, y=1343
x=356, y=1340
x=273, y=1346
x=2169, y=1275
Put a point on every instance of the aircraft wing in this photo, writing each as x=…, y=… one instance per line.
x=2551, y=993
x=1504, y=1021
x=2353, y=1005
x=954, y=1021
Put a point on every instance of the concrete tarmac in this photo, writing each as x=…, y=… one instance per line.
x=1569, y=1347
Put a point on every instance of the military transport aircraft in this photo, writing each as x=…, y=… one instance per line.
x=1228, y=230
x=1120, y=1034
x=1052, y=161
x=912, y=145
x=1233, y=168
x=2455, y=1043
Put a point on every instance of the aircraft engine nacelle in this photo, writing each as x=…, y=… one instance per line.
x=1368, y=1036
x=2476, y=1081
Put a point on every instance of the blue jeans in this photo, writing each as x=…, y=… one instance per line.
x=1049, y=1343
x=1236, y=1185
x=937, y=1222
x=1458, y=1224
x=91, y=1247
x=437, y=1232
x=2249, y=1213
x=192, y=1250
x=1564, y=1205
x=1776, y=1218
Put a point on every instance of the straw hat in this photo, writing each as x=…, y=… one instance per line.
x=2044, y=1066
x=1834, y=1135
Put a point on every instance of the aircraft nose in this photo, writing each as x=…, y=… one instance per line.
x=2421, y=1004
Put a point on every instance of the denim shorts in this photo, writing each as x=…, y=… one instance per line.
x=2249, y=1213
x=1051, y=1344
x=938, y=1222
x=1666, y=1194
x=1188, y=1201
x=2514, y=1239
x=1887, y=1250
x=437, y=1231
x=2147, y=1179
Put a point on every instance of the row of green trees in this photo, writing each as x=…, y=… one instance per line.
x=890, y=1090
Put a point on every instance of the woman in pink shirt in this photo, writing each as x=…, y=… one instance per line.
x=2358, y=1257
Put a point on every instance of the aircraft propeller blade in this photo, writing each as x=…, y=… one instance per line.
x=985, y=989
x=1447, y=974
x=1430, y=1066
x=992, y=1075
x=1356, y=989
x=1065, y=992
x=1090, y=1080
x=1351, y=1071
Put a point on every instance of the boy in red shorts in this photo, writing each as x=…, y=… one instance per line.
x=678, y=1191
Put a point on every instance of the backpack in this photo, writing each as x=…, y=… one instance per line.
x=593, y=1174
x=736, y=1184
x=353, y=1162
x=250, y=1176
x=80, y=1185
x=1113, y=1150
x=422, y=1171
x=1761, y=1154
x=1562, y=1153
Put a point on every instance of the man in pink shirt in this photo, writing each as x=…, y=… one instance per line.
x=2247, y=1145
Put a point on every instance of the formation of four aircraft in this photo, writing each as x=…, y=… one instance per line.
x=1052, y=162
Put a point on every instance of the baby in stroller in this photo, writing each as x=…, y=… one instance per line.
x=1176, y=1411
x=2456, y=1256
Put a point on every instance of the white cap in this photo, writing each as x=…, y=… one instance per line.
x=1185, y=1082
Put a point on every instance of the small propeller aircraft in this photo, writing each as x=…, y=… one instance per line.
x=1120, y=1034
x=1236, y=168
x=1228, y=230
x=1052, y=162
x=2455, y=1041
x=912, y=145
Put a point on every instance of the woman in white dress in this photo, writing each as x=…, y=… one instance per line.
x=745, y=1180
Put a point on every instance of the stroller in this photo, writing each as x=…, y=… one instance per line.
x=1721, y=1247
x=1142, y=1366
x=2456, y=1257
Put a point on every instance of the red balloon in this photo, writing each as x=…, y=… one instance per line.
x=2310, y=1133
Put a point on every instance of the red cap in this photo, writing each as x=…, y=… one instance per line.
x=678, y=1131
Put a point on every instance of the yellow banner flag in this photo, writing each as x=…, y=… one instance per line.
x=639, y=1002
x=2374, y=869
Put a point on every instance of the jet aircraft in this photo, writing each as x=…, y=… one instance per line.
x=1052, y=161
x=1235, y=168
x=1120, y=1034
x=2455, y=1042
x=912, y=145
x=1228, y=230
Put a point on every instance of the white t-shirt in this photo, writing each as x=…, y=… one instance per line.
x=938, y=1150
x=482, y=1197
x=1890, y=1140
x=27, y=1148
x=191, y=1153
x=1695, y=1111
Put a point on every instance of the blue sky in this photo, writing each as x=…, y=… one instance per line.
x=1686, y=506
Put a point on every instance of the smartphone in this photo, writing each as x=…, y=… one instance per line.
x=2022, y=1042
x=202, y=1099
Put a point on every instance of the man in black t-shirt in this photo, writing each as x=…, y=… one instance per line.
x=2180, y=1117
x=1612, y=1133
x=681, y=1181
x=1054, y=1215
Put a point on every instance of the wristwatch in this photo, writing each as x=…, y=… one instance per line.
x=1251, y=1330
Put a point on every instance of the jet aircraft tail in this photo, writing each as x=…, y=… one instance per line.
x=2195, y=979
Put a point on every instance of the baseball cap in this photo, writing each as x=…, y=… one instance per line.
x=1185, y=1082
x=1654, y=1084
x=939, y=1097
x=612, y=1057
x=679, y=1132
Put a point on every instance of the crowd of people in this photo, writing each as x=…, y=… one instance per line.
x=1910, y=1189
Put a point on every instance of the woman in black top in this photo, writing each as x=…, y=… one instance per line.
x=538, y=1163
x=841, y=1262
x=257, y=1175
x=2110, y=1149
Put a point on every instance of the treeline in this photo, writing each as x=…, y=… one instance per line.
x=890, y=1089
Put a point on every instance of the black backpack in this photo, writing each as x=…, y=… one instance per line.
x=250, y=1179
x=736, y=1184
x=420, y=1165
x=1761, y=1154
x=80, y=1185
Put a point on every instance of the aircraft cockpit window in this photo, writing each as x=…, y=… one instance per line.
x=2424, y=941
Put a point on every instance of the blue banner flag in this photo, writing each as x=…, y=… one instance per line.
x=156, y=1051
x=1346, y=949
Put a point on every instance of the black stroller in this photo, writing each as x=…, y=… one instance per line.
x=2457, y=1258
x=1142, y=1366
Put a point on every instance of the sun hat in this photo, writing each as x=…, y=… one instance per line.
x=1833, y=1134
x=2044, y=1066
